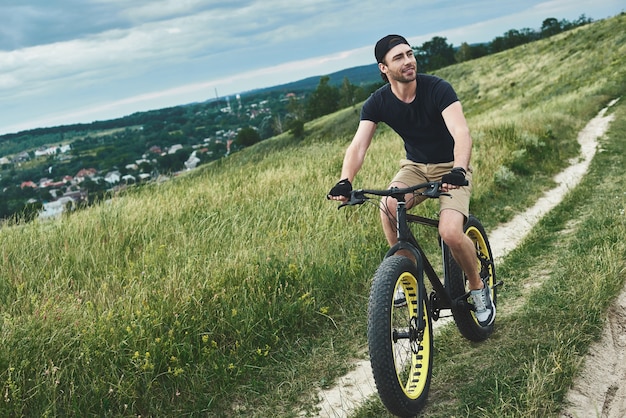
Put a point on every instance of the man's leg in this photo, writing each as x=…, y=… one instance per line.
x=463, y=251
x=388, y=219
x=410, y=173
x=462, y=248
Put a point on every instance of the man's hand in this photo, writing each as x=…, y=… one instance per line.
x=454, y=179
x=340, y=191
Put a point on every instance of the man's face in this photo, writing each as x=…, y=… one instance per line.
x=400, y=64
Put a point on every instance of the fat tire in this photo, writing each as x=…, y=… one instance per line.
x=402, y=389
x=456, y=282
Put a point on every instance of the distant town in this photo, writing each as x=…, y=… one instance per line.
x=42, y=179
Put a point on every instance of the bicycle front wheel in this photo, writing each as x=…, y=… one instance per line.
x=456, y=282
x=400, y=342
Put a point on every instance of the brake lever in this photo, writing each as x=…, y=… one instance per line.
x=357, y=197
x=434, y=191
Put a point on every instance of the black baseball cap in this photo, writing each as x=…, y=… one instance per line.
x=385, y=44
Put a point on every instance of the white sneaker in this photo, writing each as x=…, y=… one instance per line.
x=399, y=300
x=484, y=309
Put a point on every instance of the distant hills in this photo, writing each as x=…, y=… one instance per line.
x=359, y=76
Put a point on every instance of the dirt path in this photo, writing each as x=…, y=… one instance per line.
x=603, y=386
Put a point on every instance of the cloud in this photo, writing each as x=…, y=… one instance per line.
x=109, y=55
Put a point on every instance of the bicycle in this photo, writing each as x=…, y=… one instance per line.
x=400, y=338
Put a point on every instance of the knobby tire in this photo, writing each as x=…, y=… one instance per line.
x=401, y=354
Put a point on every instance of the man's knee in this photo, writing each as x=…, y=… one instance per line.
x=451, y=227
x=388, y=209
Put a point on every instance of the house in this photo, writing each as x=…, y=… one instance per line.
x=84, y=173
x=192, y=161
x=56, y=208
x=155, y=150
x=43, y=151
x=30, y=184
x=21, y=157
x=174, y=148
x=113, y=177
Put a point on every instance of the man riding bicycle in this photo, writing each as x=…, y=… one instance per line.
x=425, y=111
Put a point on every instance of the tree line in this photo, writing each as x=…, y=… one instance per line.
x=437, y=53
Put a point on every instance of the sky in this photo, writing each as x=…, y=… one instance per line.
x=78, y=61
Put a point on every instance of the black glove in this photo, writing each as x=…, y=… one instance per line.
x=456, y=177
x=342, y=188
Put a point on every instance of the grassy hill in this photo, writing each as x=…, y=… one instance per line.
x=238, y=289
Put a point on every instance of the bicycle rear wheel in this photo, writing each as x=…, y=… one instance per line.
x=456, y=282
x=400, y=344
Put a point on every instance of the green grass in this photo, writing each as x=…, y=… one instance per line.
x=237, y=289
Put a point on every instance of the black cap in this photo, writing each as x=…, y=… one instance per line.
x=385, y=44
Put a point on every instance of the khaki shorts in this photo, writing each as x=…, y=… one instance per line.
x=412, y=173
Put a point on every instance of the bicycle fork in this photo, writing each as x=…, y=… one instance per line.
x=404, y=234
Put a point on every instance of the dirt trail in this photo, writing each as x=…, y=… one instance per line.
x=598, y=393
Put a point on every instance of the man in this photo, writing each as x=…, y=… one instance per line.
x=425, y=111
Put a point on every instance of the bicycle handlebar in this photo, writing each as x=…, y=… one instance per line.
x=359, y=196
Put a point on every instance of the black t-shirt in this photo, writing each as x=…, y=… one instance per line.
x=420, y=124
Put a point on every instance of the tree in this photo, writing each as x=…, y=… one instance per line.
x=296, y=127
x=347, y=93
x=170, y=163
x=247, y=136
x=434, y=54
x=324, y=100
x=550, y=26
x=464, y=53
x=295, y=108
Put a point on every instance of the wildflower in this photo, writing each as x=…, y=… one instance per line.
x=205, y=339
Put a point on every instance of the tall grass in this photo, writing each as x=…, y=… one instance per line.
x=237, y=289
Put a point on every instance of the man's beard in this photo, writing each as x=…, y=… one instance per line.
x=401, y=78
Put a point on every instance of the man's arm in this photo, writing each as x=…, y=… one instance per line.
x=353, y=159
x=457, y=125
x=355, y=154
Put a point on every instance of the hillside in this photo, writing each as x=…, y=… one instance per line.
x=237, y=288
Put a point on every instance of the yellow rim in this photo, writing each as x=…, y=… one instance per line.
x=481, y=247
x=414, y=375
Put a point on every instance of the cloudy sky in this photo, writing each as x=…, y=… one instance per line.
x=74, y=61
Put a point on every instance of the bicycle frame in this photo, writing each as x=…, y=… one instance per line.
x=440, y=299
